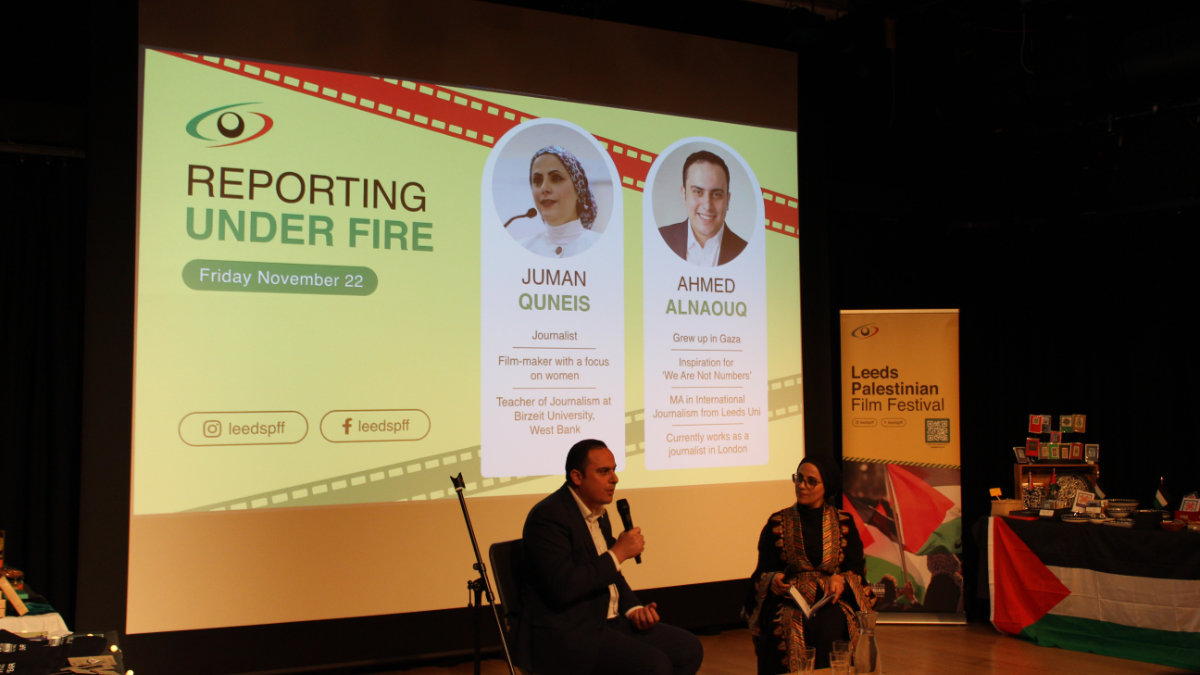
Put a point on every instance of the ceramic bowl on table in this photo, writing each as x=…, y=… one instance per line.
x=1119, y=508
x=1124, y=504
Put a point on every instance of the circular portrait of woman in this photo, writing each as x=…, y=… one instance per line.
x=553, y=188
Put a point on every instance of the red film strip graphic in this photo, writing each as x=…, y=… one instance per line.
x=454, y=114
x=782, y=213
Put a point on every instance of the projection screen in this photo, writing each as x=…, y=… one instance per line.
x=352, y=285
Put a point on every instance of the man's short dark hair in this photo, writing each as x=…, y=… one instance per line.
x=577, y=456
x=705, y=156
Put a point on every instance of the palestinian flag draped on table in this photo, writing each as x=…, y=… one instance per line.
x=900, y=450
x=1085, y=589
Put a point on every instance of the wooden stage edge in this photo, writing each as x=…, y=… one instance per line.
x=947, y=649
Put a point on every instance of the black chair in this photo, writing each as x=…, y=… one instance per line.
x=508, y=562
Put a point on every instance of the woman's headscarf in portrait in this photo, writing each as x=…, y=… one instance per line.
x=831, y=476
x=586, y=202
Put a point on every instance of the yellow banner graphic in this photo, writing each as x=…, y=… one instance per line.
x=900, y=386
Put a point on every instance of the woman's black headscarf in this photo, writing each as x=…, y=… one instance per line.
x=831, y=476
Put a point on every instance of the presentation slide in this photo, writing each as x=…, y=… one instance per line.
x=350, y=287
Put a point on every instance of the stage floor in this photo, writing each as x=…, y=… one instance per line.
x=974, y=648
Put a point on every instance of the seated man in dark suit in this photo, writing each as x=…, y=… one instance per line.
x=704, y=239
x=579, y=615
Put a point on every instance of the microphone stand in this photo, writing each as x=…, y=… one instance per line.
x=480, y=586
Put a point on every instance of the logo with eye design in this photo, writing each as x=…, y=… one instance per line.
x=224, y=126
x=864, y=331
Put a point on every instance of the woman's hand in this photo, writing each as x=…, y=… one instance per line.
x=778, y=587
x=834, y=585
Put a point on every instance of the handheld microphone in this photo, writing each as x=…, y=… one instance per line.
x=627, y=521
x=528, y=214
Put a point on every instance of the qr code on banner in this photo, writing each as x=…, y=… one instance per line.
x=937, y=430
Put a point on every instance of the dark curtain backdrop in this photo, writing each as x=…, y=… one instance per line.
x=1046, y=193
x=1077, y=318
x=1088, y=315
x=41, y=309
x=1043, y=181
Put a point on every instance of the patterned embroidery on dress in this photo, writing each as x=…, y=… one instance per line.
x=844, y=525
x=793, y=644
x=832, y=545
x=807, y=579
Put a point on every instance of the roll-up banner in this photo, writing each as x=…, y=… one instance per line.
x=901, y=460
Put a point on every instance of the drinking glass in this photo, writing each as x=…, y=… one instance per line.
x=809, y=662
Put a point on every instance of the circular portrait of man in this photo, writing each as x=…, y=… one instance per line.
x=704, y=202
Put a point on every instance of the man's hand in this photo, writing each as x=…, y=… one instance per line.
x=629, y=544
x=644, y=617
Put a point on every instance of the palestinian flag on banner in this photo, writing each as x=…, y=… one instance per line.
x=1125, y=593
x=923, y=510
x=919, y=517
x=882, y=553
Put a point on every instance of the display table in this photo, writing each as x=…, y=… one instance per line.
x=71, y=655
x=45, y=625
x=41, y=620
x=1133, y=594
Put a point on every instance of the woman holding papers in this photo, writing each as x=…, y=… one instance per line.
x=810, y=561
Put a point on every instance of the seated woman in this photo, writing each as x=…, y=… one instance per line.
x=562, y=197
x=815, y=548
